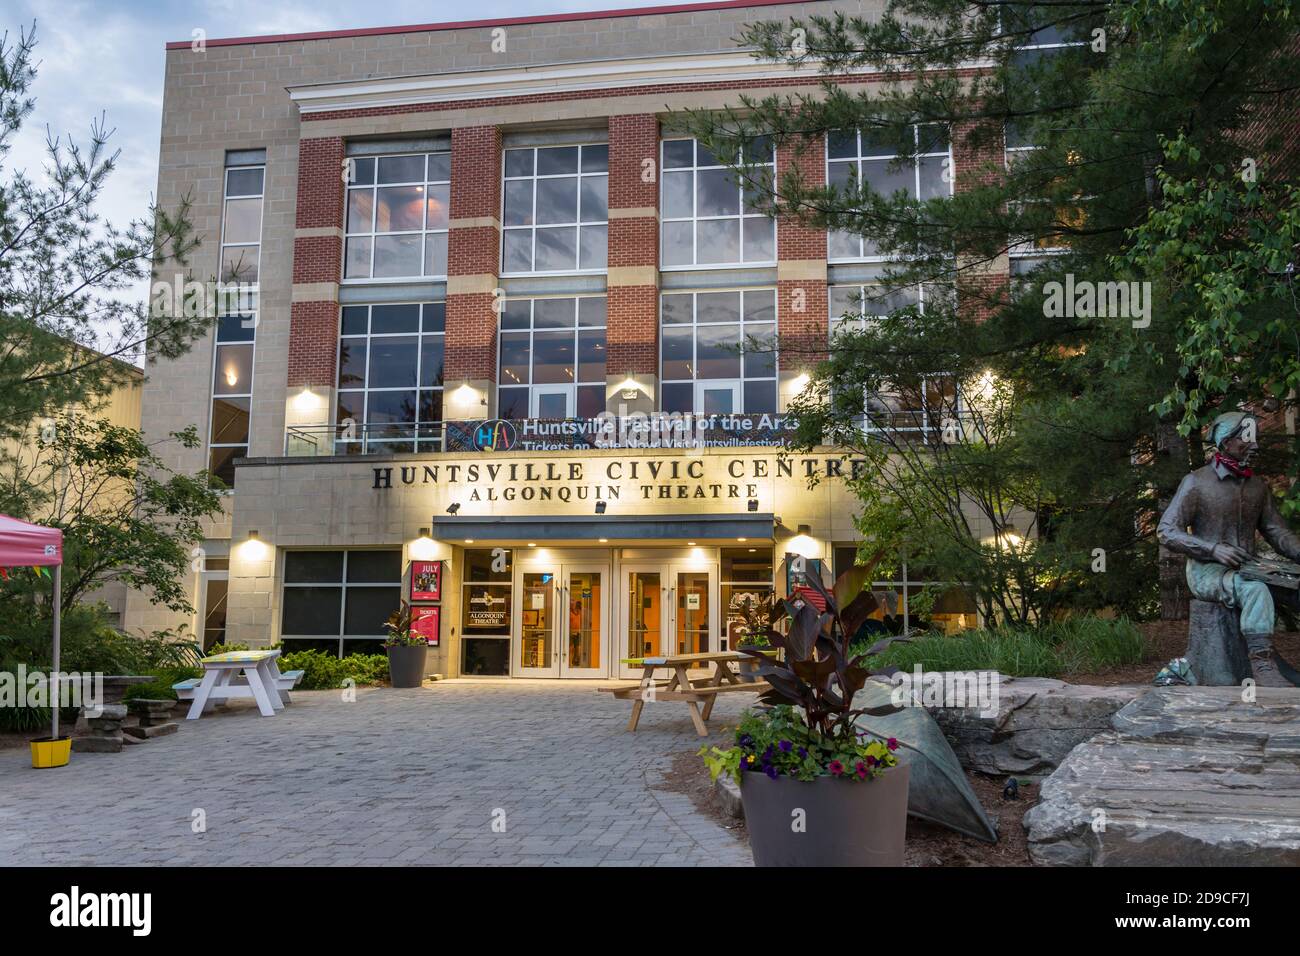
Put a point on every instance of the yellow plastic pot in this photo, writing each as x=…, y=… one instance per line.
x=51, y=752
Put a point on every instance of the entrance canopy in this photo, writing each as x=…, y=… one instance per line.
x=755, y=527
x=24, y=545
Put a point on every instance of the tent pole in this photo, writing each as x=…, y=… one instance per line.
x=54, y=676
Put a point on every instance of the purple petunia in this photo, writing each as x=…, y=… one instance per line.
x=785, y=746
x=771, y=772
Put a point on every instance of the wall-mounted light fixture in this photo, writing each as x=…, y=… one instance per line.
x=453, y=507
x=629, y=388
x=600, y=507
x=305, y=401
x=805, y=529
x=753, y=504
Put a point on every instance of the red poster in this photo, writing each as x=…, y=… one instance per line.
x=426, y=621
x=426, y=580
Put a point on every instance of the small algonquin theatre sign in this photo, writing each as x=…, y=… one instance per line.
x=639, y=479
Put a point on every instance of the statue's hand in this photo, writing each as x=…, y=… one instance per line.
x=1230, y=555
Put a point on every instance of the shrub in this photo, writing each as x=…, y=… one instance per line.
x=323, y=671
x=161, y=687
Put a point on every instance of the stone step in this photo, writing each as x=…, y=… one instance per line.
x=1190, y=776
x=151, y=731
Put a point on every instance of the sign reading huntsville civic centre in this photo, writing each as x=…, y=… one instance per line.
x=724, y=482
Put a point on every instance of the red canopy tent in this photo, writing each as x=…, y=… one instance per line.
x=26, y=545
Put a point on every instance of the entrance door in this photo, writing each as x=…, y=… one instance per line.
x=669, y=608
x=561, y=620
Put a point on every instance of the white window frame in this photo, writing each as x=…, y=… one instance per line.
x=694, y=325
x=532, y=331
x=695, y=218
x=578, y=225
x=424, y=231
x=857, y=160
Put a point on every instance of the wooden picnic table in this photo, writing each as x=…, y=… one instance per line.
x=681, y=687
x=261, y=680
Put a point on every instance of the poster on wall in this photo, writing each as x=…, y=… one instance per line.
x=427, y=621
x=487, y=607
x=426, y=580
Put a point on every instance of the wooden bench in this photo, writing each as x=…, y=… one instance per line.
x=681, y=687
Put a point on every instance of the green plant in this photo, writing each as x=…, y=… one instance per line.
x=216, y=649
x=399, y=629
x=323, y=671
x=161, y=687
x=754, y=618
x=779, y=742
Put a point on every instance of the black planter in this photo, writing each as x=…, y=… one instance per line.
x=845, y=822
x=406, y=665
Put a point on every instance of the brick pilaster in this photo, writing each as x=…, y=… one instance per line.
x=981, y=285
x=633, y=281
x=473, y=254
x=317, y=263
x=801, y=267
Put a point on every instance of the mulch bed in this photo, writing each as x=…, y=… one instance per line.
x=1167, y=640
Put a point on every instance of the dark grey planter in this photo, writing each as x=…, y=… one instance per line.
x=747, y=670
x=406, y=665
x=845, y=822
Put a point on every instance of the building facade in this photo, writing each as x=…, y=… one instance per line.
x=514, y=347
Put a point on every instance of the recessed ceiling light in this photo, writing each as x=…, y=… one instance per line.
x=604, y=540
x=469, y=540
x=742, y=539
x=690, y=544
x=532, y=544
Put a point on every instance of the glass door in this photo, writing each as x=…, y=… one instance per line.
x=552, y=401
x=692, y=606
x=537, y=648
x=645, y=614
x=717, y=397
x=668, y=608
x=585, y=622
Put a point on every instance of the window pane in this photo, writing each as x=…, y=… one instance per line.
x=717, y=351
x=557, y=200
x=678, y=201
x=519, y=162
x=394, y=318
x=553, y=313
x=591, y=401
x=594, y=252
x=514, y=358
x=760, y=240
x=439, y=167
x=363, y=171
x=234, y=371
x=760, y=351
x=361, y=207
x=760, y=306
x=439, y=199
x=431, y=358
x=351, y=408
x=243, y=220
x=313, y=567
x=518, y=209
x=677, y=397
x=512, y=403
x=591, y=356
x=845, y=245
x=718, y=193
x=677, y=249
x=236, y=328
x=401, y=169
x=352, y=363
x=760, y=397
x=388, y=408
x=678, y=153
x=675, y=309
x=368, y=608
x=399, y=209
x=553, y=358
x=841, y=143
x=431, y=406
x=591, y=311
x=595, y=159
x=244, y=182
x=435, y=316
x=435, y=254
x=377, y=567
x=517, y=254
x=518, y=314
x=557, y=159
x=358, y=259
x=553, y=404
x=557, y=249
x=717, y=240
x=595, y=205
x=397, y=256
x=229, y=421
x=717, y=307
x=676, y=345
x=311, y=610
x=881, y=175
x=933, y=169
x=239, y=264
x=221, y=463
x=842, y=175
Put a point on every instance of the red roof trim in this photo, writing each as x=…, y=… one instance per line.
x=471, y=24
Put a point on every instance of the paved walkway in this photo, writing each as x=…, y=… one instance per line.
x=398, y=777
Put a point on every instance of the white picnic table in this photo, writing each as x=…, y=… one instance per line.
x=234, y=674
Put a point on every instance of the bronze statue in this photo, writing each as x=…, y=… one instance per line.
x=1212, y=519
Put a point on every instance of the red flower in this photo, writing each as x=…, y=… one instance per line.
x=891, y=743
x=861, y=768
x=835, y=767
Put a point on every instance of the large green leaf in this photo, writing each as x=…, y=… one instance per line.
x=939, y=791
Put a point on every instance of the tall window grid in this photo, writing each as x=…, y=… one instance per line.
x=707, y=216
x=857, y=158
x=397, y=214
x=555, y=209
x=390, y=378
x=922, y=407
x=551, y=358
x=717, y=352
x=230, y=413
x=338, y=601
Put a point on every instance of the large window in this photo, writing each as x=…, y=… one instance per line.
x=390, y=378
x=485, y=612
x=746, y=589
x=555, y=209
x=708, y=216
x=717, y=352
x=236, y=329
x=552, y=358
x=338, y=601
x=857, y=159
x=397, y=216
x=898, y=601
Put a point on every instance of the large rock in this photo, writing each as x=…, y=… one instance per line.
x=1189, y=776
x=1038, y=721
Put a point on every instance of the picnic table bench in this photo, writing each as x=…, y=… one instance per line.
x=234, y=674
x=682, y=687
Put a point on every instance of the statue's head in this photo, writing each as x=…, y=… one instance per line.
x=1235, y=434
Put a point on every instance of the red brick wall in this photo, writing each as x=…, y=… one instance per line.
x=632, y=334
x=801, y=303
x=979, y=294
x=473, y=251
x=313, y=325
